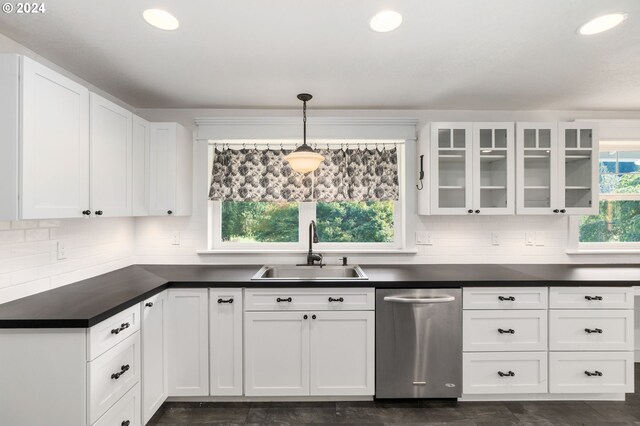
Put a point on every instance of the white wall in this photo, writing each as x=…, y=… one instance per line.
x=28, y=252
x=455, y=239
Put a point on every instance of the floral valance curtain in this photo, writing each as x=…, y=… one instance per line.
x=347, y=174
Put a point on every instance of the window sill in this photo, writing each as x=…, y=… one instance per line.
x=300, y=251
x=604, y=251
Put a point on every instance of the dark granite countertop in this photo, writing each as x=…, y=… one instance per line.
x=87, y=302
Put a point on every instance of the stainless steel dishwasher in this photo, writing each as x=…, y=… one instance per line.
x=418, y=343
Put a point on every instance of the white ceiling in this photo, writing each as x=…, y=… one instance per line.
x=448, y=54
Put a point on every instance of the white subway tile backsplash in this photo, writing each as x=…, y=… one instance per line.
x=24, y=224
x=11, y=237
x=40, y=234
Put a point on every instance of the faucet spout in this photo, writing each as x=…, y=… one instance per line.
x=312, y=257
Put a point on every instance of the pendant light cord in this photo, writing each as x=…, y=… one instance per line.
x=304, y=121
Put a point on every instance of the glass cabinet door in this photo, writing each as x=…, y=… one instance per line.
x=537, y=174
x=578, y=175
x=493, y=168
x=450, y=168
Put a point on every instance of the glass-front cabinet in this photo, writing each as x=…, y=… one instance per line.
x=472, y=168
x=557, y=168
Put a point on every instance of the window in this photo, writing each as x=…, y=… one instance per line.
x=350, y=225
x=618, y=223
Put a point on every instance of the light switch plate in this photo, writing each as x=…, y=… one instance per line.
x=176, y=239
x=424, y=238
x=62, y=251
x=530, y=238
x=539, y=238
x=495, y=239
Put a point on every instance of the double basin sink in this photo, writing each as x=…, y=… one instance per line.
x=310, y=273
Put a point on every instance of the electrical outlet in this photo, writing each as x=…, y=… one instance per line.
x=530, y=238
x=495, y=239
x=62, y=251
x=424, y=238
x=176, y=238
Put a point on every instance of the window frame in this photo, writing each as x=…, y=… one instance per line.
x=307, y=212
x=575, y=245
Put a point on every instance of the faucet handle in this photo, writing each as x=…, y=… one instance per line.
x=344, y=260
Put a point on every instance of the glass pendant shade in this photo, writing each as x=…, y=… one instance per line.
x=304, y=159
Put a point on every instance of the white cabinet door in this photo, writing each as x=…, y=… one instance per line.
x=111, y=158
x=170, y=170
x=342, y=353
x=55, y=144
x=537, y=168
x=591, y=372
x=493, y=168
x=276, y=353
x=225, y=341
x=451, y=168
x=578, y=175
x=140, y=142
x=155, y=384
x=188, y=342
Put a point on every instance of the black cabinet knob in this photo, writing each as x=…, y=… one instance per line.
x=593, y=373
x=469, y=211
x=556, y=211
x=98, y=212
x=509, y=298
x=125, y=423
x=149, y=304
x=563, y=211
x=288, y=299
x=225, y=301
x=305, y=317
x=86, y=212
x=507, y=374
x=477, y=211
x=507, y=331
x=169, y=211
x=313, y=317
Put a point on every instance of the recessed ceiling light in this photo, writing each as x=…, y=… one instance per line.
x=385, y=21
x=161, y=19
x=602, y=23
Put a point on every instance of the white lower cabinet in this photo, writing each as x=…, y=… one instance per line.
x=592, y=330
x=504, y=372
x=328, y=351
x=188, y=336
x=591, y=372
x=276, y=353
x=505, y=330
x=342, y=349
x=125, y=412
x=155, y=383
x=225, y=341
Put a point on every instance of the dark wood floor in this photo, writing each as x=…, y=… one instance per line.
x=405, y=412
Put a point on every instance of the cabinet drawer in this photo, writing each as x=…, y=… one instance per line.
x=124, y=412
x=504, y=330
x=112, y=374
x=504, y=298
x=590, y=372
x=522, y=372
x=286, y=299
x=602, y=330
x=591, y=298
x=108, y=333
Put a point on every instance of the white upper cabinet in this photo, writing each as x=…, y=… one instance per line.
x=45, y=142
x=170, y=170
x=557, y=170
x=578, y=158
x=111, y=158
x=472, y=168
x=140, y=166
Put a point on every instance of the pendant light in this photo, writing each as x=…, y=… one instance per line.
x=304, y=159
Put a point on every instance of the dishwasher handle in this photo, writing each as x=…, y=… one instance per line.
x=419, y=300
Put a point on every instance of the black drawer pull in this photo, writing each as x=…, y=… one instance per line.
x=594, y=330
x=510, y=298
x=123, y=326
x=288, y=299
x=125, y=423
x=149, y=304
x=225, y=301
x=593, y=297
x=123, y=369
x=595, y=373
x=507, y=331
x=507, y=374
x=339, y=299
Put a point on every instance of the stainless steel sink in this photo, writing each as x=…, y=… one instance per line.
x=310, y=273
